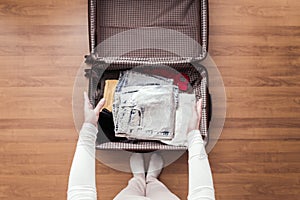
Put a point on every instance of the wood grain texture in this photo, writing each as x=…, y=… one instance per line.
x=255, y=44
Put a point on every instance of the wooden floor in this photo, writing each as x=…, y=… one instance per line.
x=256, y=45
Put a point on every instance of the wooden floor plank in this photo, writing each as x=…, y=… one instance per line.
x=255, y=45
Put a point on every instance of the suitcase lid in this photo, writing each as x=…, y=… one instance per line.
x=148, y=31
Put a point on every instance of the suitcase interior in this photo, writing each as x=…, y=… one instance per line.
x=110, y=17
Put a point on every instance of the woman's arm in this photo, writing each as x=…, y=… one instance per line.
x=82, y=181
x=200, y=177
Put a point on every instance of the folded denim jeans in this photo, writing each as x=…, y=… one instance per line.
x=146, y=112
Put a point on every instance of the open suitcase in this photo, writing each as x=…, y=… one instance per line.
x=108, y=18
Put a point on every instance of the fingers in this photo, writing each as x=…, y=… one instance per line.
x=199, y=107
x=99, y=106
x=87, y=104
x=199, y=112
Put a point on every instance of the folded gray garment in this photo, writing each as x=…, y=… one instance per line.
x=183, y=117
x=133, y=78
x=146, y=112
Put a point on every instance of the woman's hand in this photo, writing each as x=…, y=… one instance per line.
x=92, y=115
x=196, y=116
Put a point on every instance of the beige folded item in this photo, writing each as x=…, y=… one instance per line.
x=109, y=91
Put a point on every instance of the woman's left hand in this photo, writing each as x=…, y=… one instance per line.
x=92, y=115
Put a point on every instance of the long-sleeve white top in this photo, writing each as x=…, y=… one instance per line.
x=82, y=181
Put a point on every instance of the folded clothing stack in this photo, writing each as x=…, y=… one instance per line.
x=145, y=106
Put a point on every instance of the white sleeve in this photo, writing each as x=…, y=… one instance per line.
x=200, y=177
x=82, y=181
